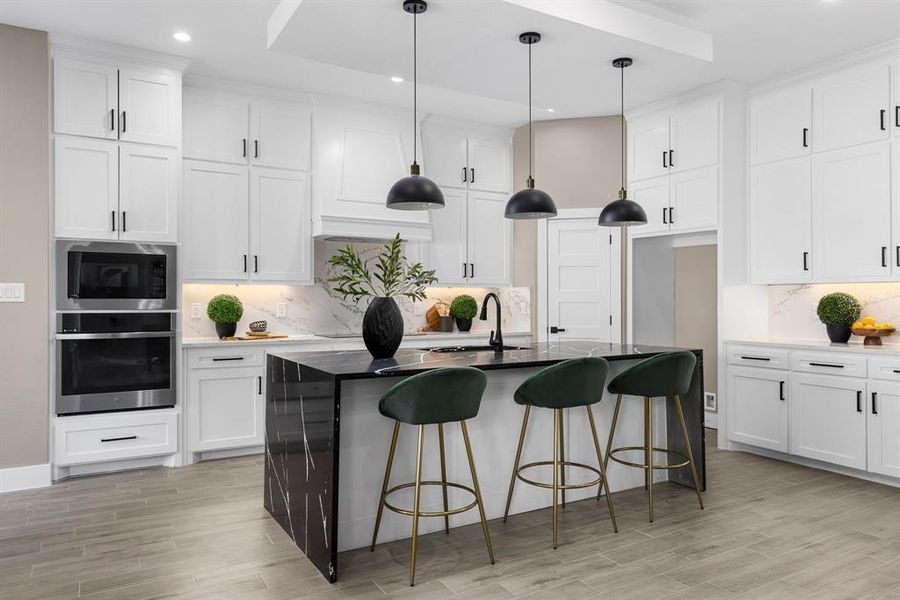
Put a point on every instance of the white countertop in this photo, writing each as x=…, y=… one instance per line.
x=424, y=338
x=855, y=345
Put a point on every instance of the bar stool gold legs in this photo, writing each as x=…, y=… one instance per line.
x=690, y=453
x=648, y=453
x=416, y=513
x=604, y=485
x=562, y=459
x=515, y=471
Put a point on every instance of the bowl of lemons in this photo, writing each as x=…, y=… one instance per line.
x=872, y=330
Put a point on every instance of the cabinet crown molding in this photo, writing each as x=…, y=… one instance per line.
x=72, y=46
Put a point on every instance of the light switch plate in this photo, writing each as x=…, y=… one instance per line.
x=196, y=310
x=12, y=292
x=281, y=309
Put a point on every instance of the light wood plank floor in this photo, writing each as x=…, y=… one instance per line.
x=770, y=530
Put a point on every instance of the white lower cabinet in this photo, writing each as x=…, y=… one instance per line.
x=758, y=407
x=114, y=436
x=828, y=419
x=226, y=408
x=884, y=427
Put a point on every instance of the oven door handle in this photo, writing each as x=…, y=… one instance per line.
x=115, y=335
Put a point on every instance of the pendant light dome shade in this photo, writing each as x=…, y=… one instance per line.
x=530, y=203
x=415, y=192
x=622, y=212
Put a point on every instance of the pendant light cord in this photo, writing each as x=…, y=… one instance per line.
x=530, y=125
x=622, y=119
x=415, y=89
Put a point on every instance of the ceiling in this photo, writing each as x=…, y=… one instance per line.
x=471, y=64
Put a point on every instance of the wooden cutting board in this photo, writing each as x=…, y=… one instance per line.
x=271, y=336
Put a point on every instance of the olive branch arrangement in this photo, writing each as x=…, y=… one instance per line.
x=393, y=275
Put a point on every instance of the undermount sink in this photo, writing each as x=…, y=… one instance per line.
x=473, y=348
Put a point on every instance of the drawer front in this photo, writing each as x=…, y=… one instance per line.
x=99, y=438
x=885, y=368
x=829, y=363
x=759, y=356
x=218, y=358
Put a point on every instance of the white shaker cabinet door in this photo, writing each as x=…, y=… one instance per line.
x=694, y=135
x=214, y=221
x=281, y=136
x=758, y=407
x=694, y=199
x=648, y=147
x=852, y=107
x=86, y=188
x=781, y=222
x=828, y=419
x=852, y=214
x=780, y=124
x=216, y=127
x=653, y=196
x=444, y=159
x=280, y=237
x=489, y=164
x=447, y=250
x=148, y=193
x=884, y=427
x=226, y=408
x=149, y=107
x=490, y=240
x=85, y=98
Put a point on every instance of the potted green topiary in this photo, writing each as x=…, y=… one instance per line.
x=464, y=308
x=225, y=311
x=838, y=311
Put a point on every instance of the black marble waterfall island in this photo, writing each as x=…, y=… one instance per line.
x=326, y=444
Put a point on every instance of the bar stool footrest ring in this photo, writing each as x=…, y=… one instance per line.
x=435, y=513
x=568, y=486
x=612, y=456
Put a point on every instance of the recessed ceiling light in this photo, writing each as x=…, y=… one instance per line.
x=397, y=79
x=551, y=110
x=182, y=36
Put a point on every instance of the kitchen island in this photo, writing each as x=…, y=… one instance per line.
x=326, y=443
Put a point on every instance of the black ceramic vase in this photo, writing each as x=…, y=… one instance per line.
x=382, y=327
x=224, y=330
x=838, y=334
x=463, y=324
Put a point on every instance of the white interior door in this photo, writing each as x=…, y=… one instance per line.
x=851, y=107
x=694, y=199
x=86, y=188
x=281, y=136
x=214, y=221
x=781, y=222
x=653, y=196
x=489, y=164
x=780, y=125
x=85, y=98
x=758, y=407
x=694, y=135
x=490, y=240
x=444, y=159
x=148, y=193
x=884, y=427
x=447, y=250
x=582, y=280
x=280, y=237
x=149, y=107
x=648, y=147
x=215, y=127
x=852, y=213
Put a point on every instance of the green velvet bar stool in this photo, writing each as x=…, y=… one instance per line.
x=570, y=384
x=433, y=398
x=666, y=375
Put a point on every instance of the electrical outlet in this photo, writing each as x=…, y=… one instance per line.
x=281, y=309
x=196, y=310
x=710, y=403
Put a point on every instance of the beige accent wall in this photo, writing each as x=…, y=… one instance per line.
x=695, y=306
x=24, y=245
x=579, y=163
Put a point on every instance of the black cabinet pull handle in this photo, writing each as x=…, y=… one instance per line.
x=671, y=158
x=881, y=118
x=874, y=405
x=896, y=370
x=245, y=263
x=244, y=147
x=259, y=384
x=112, y=119
x=665, y=222
x=472, y=178
x=228, y=358
x=465, y=271
x=805, y=138
x=671, y=213
x=665, y=164
x=122, y=120
x=898, y=256
x=781, y=391
x=465, y=175
x=554, y=329
x=255, y=148
x=829, y=365
x=113, y=219
x=124, y=226
x=897, y=116
x=884, y=256
x=119, y=439
x=859, y=401
x=760, y=358
x=471, y=269
x=256, y=263
x=806, y=261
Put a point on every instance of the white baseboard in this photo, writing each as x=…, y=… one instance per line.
x=24, y=478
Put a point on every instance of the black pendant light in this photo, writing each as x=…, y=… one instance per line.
x=622, y=212
x=530, y=203
x=415, y=192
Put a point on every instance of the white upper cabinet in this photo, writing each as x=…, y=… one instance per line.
x=653, y=196
x=781, y=222
x=852, y=106
x=216, y=126
x=895, y=207
x=445, y=159
x=149, y=103
x=780, y=125
x=694, y=200
x=86, y=183
x=648, y=147
x=280, y=136
x=215, y=221
x=694, y=136
x=148, y=193
x=852, y=213
x=280, y=240
x=490, y=238
x=447, y=253
x=489, y=164
x=85, y=98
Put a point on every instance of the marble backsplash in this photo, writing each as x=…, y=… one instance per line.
x=317, y=309
x=792, y=308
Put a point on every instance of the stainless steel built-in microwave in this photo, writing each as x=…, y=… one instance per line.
x=114, y=276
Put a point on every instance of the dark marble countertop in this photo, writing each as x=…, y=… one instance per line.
x=359, y=364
